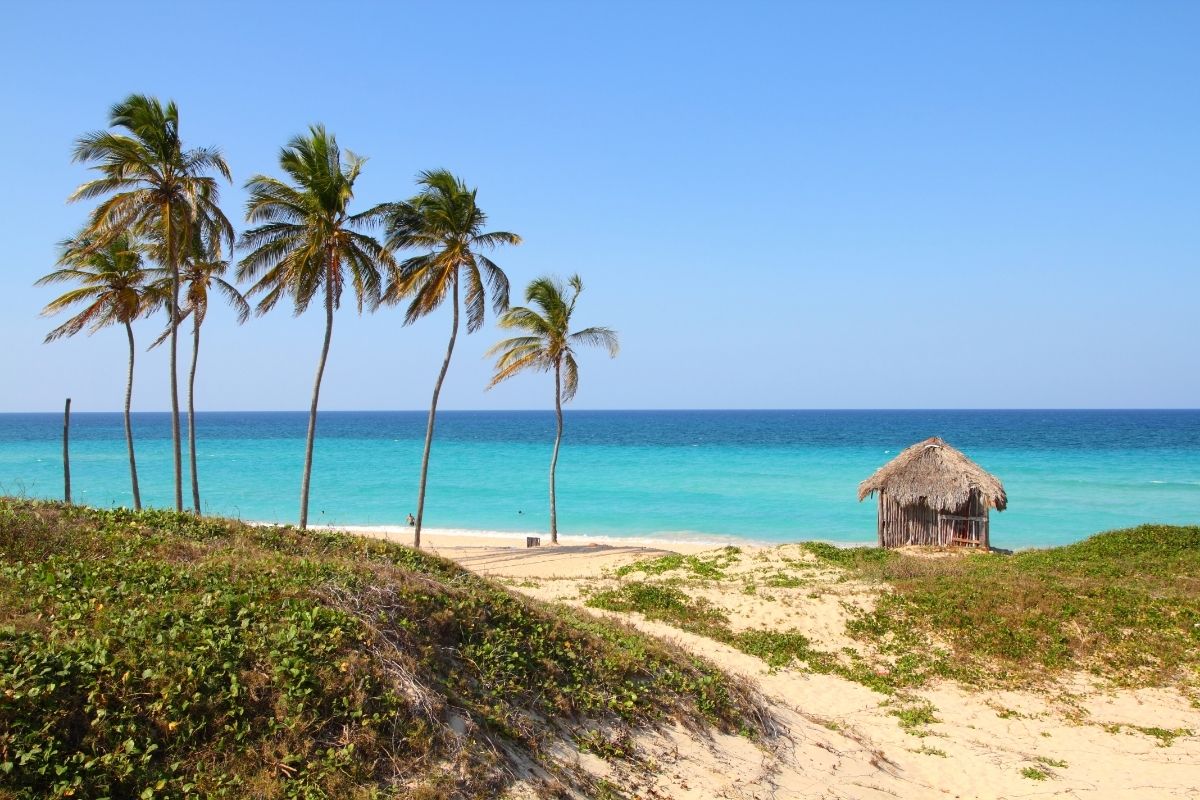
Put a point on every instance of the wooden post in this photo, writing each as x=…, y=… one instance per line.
x=67, y=452
x=880, y=520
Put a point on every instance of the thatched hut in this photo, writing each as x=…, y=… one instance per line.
x=933, y=494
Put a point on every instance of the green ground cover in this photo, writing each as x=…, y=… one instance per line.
x=160, y=655
x=1124, y=605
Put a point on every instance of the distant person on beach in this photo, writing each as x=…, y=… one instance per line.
x=412, y=521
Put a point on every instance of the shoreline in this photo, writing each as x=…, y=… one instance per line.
x=460, y=538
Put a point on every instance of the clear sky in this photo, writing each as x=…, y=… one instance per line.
x=781, y=205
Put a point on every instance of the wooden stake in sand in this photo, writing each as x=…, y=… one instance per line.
x=67, y=452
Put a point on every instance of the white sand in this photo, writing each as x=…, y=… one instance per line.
x=839, y=739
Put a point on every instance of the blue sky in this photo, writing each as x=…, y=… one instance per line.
x=790, y=205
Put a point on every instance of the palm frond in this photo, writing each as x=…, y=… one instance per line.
x=428, y=295
x=372, y=217
x=517, y=365
x=497, y=283
x=126, y=212
x=272, y=200
x=102, y=187
x=89, y=317
x=475, y=297
x=63, y=275
x=271, y=232
x=74, y=297
x=570, y=378
x=520, y=317
x=166, y=333
x=407, y=277
x=515, y=343
x=235, y=299
x=202, y=159
x=598, y=337
x=496, y=239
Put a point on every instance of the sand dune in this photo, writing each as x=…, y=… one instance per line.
x=838, y=738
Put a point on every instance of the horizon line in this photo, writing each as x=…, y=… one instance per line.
x=620, y=410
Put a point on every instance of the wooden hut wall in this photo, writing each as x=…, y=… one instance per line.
x=900, y=525
x=904, y=525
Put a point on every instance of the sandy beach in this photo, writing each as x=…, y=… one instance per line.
x=505, y=555
x=839, y=739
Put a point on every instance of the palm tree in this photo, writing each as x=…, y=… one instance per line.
x=152, y=185
x=114, y=290
x=444, y=220
x=548, y=346
x=202, y=272
x=308, y=242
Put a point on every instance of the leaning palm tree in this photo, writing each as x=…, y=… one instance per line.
x=548, y=346
x=113, y=289
x=309, y=243
x=153, y=186
x=444, y=220
x=202, y=272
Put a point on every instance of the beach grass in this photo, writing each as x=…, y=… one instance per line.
x=1123, y=605
x=670, y=604
x=157, y=654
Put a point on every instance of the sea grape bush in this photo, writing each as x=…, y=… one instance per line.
x=161, y=655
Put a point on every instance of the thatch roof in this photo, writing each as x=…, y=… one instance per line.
x=935, y=472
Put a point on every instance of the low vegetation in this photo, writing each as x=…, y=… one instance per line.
x=1124, y=605
x=1166, y=737
x=669, y=604
x=914, y=716
x=710, y=566
x=161, y=655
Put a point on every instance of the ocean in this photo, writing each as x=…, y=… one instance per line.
x=766, y=476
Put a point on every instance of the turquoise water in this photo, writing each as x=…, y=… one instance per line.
x=762, y=475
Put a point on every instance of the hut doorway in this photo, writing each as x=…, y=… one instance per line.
x=968, y=528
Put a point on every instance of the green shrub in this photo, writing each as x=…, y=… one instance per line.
x=161, y=655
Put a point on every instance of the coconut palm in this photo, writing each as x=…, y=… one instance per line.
x=309, y=243
x=113, y=290
x=202, y=273
x=153, y=186
x=444, y=220
x=548, y=346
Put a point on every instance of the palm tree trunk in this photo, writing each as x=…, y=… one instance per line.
x=175, y=438
x=312, y=411
x=554, y=458
x=192, y=411
x=437, y=389
x=137, y=495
